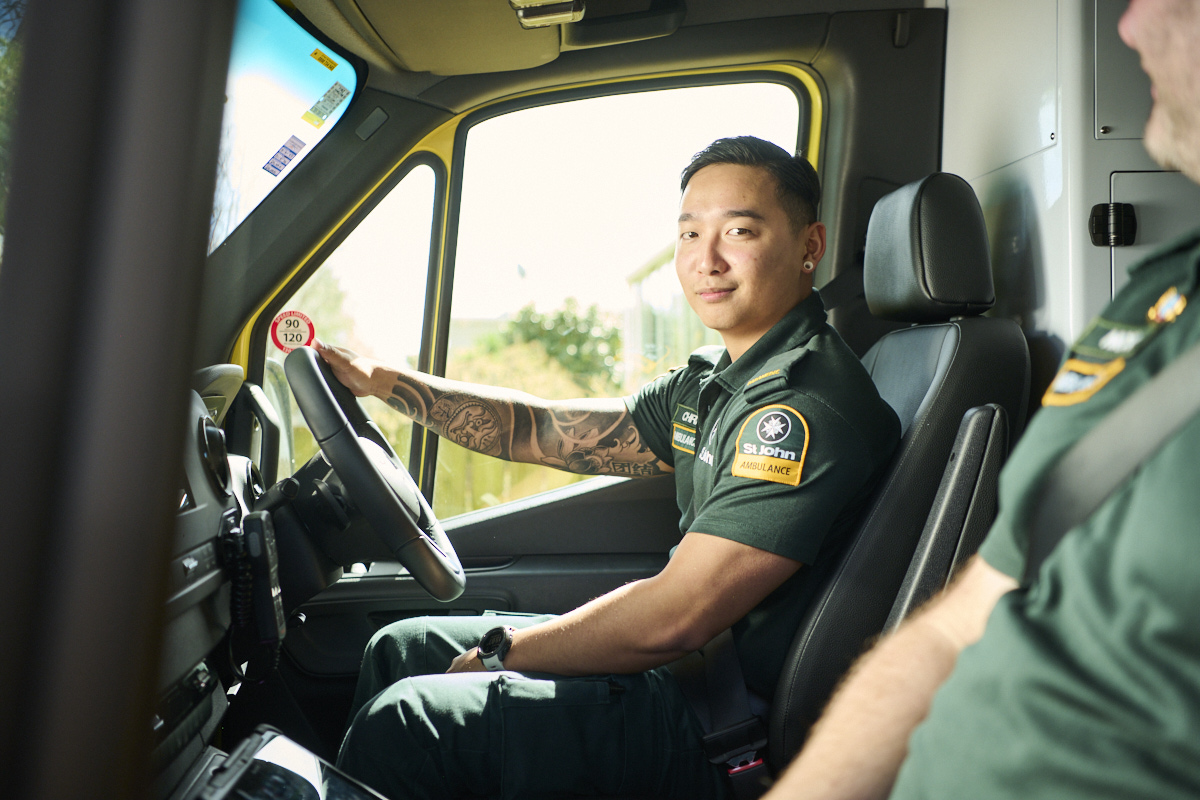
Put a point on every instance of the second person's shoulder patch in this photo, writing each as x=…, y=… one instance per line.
x=771, y=445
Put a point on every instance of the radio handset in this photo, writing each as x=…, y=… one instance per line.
x=257, y=604
x=269, y=622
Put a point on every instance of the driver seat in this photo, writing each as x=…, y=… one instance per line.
x=927, y=264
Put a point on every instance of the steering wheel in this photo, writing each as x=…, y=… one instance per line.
x=374, y=478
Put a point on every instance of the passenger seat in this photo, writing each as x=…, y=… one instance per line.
x=927, y=263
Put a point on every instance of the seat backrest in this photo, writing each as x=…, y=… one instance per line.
x=962, y=511
x=926, y=263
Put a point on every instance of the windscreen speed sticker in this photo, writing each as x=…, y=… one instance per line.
x=283, y=156
x=328, y=103
x=291, y=329
x=324, y=60
x=771, y=445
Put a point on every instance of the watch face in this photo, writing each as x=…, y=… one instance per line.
x=491, y=641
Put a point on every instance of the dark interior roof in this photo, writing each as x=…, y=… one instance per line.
x=414, y=46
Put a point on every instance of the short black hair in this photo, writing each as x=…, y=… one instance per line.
x=796, y=181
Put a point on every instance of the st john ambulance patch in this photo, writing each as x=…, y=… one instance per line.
x=771, y=445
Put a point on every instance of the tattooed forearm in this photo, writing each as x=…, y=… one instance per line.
x=631, y=470
x=589, y=437
x=476, y=422
x=410, y=398
x=596, y=441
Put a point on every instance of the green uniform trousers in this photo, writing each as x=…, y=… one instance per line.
x=418, y=733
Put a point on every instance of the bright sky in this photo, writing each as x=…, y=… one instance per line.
x=381, y=267
x=581, y=194
x=560, y=201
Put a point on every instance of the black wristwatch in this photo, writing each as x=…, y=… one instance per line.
x=493, y=647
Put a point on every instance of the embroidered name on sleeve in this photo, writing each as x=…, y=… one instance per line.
x=683, y=429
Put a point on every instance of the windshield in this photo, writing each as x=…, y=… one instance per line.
x=286, y=90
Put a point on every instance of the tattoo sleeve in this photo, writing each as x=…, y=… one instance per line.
x=588, y=437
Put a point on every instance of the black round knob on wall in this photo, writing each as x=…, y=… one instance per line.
x=213, y=454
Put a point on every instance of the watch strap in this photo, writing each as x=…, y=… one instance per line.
x=494, y=660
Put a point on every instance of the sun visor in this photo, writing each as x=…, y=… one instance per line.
x=446, y=37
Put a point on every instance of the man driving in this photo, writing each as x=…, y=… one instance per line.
x=775, y=441
x=1085, y=682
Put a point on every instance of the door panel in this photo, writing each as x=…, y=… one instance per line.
x=341, y=620
x=602, y=516
x=544, y=554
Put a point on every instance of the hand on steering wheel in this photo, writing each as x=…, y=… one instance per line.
x=374, y=478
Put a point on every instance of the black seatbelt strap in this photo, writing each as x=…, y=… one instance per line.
x=844, y=287
x=1098, y=463
x=735, y=739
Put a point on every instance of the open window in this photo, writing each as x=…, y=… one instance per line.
x=564, y=283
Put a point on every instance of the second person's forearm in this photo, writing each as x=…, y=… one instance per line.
x=855, y=751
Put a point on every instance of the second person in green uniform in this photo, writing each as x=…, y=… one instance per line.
x=1085, y=681
x=775, y=440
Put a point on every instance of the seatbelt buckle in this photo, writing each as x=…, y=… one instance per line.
x=744, y=763
x=748, y=776
x=738, y=744
x=736, y=749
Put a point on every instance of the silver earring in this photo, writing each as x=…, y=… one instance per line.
x=809, y=266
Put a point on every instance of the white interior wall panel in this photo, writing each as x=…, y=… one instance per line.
x=1002, y=96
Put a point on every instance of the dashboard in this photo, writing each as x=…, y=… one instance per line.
x=224, y=617
x=218, y=492
x=244, y=557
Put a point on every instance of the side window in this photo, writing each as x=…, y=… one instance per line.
x=564, y=280
x=369, y=295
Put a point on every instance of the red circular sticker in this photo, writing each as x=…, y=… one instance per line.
x=291, y=329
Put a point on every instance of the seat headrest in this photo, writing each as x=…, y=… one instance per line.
x=927, y=253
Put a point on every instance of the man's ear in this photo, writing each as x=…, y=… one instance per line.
x=813, y=242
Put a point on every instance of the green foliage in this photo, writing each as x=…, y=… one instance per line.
x=558, y=355
x=525, y=366
x=11, y=14
x=467, y=480
x=322, y=300
x=586, y=345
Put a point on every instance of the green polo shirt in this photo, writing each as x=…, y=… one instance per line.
x=1088, y=684
x=777, y=450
